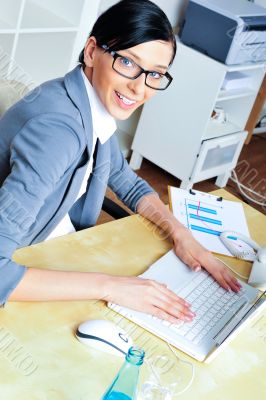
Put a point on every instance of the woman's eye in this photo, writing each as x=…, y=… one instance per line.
x=155, y=75
x=126, y=62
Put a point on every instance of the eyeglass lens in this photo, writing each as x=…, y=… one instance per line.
x=127, y=68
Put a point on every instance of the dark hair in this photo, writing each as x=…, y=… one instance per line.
x=129, y=23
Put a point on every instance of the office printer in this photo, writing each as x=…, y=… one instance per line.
x=230, y=31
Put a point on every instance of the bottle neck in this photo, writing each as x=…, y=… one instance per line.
x=124, y=386
x=135, y=356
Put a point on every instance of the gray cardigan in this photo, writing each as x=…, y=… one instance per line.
x=45, y=145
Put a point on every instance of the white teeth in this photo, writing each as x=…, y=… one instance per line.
x=125, y=100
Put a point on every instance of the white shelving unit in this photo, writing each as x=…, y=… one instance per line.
x=7, y=40
x=42, y=39
x=176, y=131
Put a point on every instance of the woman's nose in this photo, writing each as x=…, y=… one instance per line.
x=138, y=85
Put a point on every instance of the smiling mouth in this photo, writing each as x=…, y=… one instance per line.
x=125, y=100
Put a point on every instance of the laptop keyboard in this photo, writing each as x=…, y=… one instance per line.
x=209, y=301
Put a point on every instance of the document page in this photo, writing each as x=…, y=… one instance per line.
x=207, y=216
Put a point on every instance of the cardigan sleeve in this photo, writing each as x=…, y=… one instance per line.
x=126, y=184
x=40, y=153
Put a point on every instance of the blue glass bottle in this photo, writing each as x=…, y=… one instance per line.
x=124, y=386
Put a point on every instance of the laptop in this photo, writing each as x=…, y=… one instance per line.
x=220, y=315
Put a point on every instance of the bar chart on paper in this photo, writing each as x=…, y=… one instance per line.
x=203, y=217
x=207, y=216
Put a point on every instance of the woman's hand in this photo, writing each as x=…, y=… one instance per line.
x=185, y=246
x=148, y=296
x=196, y=256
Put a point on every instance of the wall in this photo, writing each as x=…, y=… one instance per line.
x=174, y=9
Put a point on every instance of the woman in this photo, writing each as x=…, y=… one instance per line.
x=50, y=146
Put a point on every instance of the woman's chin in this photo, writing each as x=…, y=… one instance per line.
x=120, y=113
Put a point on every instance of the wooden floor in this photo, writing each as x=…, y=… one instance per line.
x=251, y=171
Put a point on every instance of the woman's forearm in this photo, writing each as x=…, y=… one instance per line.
x=43, y=285
x=153, y=209
x=140, y=294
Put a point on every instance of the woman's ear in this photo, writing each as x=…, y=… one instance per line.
x=89, y=51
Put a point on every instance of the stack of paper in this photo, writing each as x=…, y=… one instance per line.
x=236, y=80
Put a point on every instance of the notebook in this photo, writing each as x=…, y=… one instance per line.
x=220, y=315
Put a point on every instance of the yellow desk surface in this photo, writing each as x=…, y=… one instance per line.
x=41, y=358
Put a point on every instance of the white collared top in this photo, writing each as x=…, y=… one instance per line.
x=104, y=126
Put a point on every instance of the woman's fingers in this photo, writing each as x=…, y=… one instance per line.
x=164, y=289
x=173, y=305
x=222, y=281
x=220, y=272
x=232, y=281
x=167, y=301
x=161, y=314
x=154, y=298
x=174, y=309
x=225, y=278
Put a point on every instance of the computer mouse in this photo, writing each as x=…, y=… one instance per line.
x=105, y=336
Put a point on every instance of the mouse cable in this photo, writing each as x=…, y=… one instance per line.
x=156, y=375
x=232, y=269
x=184, y=362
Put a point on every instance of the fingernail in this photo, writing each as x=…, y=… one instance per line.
x=192, y=314
x=197, y=269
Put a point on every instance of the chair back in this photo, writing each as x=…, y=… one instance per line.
x=10, y=92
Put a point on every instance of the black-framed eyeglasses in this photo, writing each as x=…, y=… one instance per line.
x=127, y=68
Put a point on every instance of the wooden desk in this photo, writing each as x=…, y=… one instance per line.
x=41, y=358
